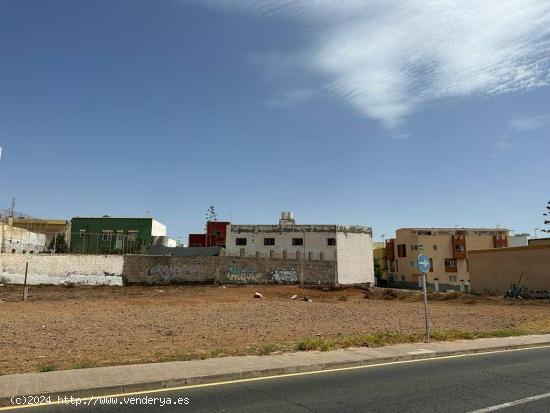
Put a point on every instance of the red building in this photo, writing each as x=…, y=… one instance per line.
x=197, y=240
x=214, y=237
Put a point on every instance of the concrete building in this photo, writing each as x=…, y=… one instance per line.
x=379, y=255
x=349, y=246
x=518, y=240
x=495, y=270
x=539, y=241
x=215, y=235
x=111, y=235
x=49, y=227
x=20, y=241
x=448, y=250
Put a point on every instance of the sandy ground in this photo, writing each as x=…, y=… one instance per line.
x=62, y=327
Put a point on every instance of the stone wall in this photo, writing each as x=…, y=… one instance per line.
x=146, y=269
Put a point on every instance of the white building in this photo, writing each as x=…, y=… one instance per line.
x=518, y=240
x=349, y=245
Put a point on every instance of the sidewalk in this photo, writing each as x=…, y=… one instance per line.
x=131, y=378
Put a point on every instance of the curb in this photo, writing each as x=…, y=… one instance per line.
x=166, y=385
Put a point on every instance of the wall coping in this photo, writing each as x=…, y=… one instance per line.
x=509, y=249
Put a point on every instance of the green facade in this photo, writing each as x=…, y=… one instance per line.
x=107, y=235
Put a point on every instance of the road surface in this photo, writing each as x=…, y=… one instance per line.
x=462, y=384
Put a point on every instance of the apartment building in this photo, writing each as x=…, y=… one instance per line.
x=448, y=251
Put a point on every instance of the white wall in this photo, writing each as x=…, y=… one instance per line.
x=157, y=229
x=354, y=257
x=19, y=240
x=314, y=236
x=59, y=269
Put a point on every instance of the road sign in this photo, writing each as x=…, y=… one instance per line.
x=423, y=263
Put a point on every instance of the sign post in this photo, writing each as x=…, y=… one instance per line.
x=423, y=264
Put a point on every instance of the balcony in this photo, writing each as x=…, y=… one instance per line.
x=459, y=245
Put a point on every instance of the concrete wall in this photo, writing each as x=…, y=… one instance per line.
x=18, y=240
x=493, y=271
x=148, y=269
x=354, y=257
x=60, y=269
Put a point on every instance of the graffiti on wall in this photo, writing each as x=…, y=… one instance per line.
x=283, y=275
x=243, y=274
x=168, y=273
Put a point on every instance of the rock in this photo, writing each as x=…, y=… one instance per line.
x=258, y=295
x=294, y=297
x=307, y=299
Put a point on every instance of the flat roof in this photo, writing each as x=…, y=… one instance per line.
x=509, y=249
x=109, y=217
x=451, y=229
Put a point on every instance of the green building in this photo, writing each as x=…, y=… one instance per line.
x=109, y=235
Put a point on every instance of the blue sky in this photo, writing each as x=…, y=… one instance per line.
x=389, y=115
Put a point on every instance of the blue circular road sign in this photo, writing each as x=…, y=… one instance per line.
x=423, y=263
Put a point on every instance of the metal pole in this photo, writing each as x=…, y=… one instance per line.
x=426, y=323
x=25, y=288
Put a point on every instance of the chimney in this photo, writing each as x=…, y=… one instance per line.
x=287, y=218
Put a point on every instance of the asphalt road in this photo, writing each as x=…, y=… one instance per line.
x=462, y=384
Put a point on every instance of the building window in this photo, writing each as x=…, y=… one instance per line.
x=401, y=250
x=450, y=265
x=240, y=241
x=331, y=242
x=82, y=233
x=107, y=235
x=269, y=241
x=452, y=278
x=431, y=265
x=119, y=235
x=450, y=262
x=459, y=248
x=133, y=234
x=297, y=241
x=402, y=278
x=435, y=247
x=217, y=234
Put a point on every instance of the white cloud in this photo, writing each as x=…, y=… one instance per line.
x=385, y=58
x=502, y=143
x=526, y=123
x=291, y=98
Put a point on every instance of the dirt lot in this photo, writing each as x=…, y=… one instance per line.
x=62, y=327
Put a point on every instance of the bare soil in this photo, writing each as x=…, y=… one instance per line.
x=60, y=327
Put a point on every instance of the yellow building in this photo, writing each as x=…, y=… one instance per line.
x=379, y=255
x=48, y=227
x=448, y=251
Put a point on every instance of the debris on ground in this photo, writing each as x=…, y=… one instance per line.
x=258, y=295
x=294, y=297
x=307, y=299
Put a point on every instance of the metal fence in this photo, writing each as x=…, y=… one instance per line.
x=106, y=243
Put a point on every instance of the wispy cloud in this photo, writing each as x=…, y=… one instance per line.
x=527, y=123
x=501, y=144
x=385, y=58
x=291, y=98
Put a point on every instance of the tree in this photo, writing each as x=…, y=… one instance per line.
x=58, y=244
x=547, y=214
